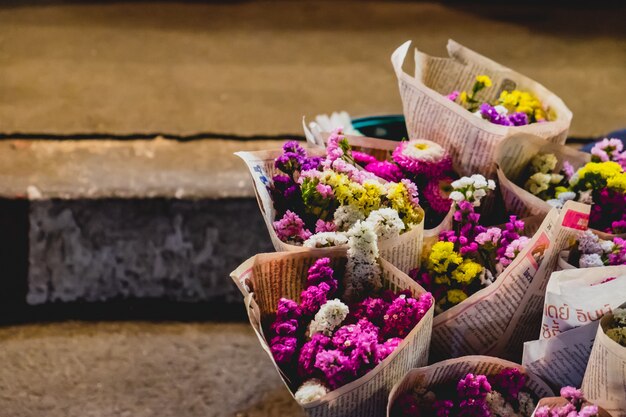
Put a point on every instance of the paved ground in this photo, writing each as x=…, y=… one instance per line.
x=255, y=68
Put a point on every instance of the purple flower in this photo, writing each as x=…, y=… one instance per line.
x=490, y=113
x=359, y=343
x=403, y=314
x=308, y=354
x=312, y=162
x=291, y=228
x=285, y=328
x=385, y=170
x=338, y=368
x=509, y=382
x=372, y=309
x=571, y=394
x=443, y=408
x=362, y=158
x=321, y=271
x=518, y=119
x=385, y=349
x=313, y=298
x=453, y=95
x=568, y=170
x=283, y=349
x=473, y=386
x=287, y=309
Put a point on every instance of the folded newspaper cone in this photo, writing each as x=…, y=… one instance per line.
x=498, y=319
x=512, y=158
x=576, y=299
x=404, y=252
x=471, y=140
x=604, y=383
x=265, y=278
x=559, y=401
x=454, y=369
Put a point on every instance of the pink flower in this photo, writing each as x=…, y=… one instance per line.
x=404, y=313
x=283, y=349
x=326, y=191
x=308, y=354
x=422, y=157
x=572, y=394
x=437, y=199
x=333, y=148
x=509, y=382
x=313, y=297
x=321, y=271
x=362, y=158
x=385, y=170
x=338, y=368
x=321, y=226
x=291, y=228
x=473, y=386
x=385, y=349
x=453, y=95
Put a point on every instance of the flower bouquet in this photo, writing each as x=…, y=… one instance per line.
x=571, y=403
x=575, y=301
x=341, y=327
x=489, y=283
x=603, y=383
x=312, y=197
x=535, y=176
x=592, y=251
x=470, y=386
x=469, y=257
x=472, y=141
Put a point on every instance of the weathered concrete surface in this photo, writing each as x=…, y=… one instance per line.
x=95, y=250
x=138, y=369
x=71, y=169
x=251, y=68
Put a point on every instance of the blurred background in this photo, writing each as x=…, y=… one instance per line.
x=122, y=209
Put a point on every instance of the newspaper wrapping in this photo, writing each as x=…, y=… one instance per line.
x=559, y=401
x=499, y=318
x=575, y=301
x=604, y=383
x=265, y=278
x=471, y=140
x=512, y=158
x=404, y=252
x=452, y=370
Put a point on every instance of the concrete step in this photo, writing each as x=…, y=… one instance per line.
x=101, y=220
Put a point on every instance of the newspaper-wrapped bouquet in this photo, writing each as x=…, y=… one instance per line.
x=500, y=101
x=592, y=251
x=312, y=197
x=341, y=327
x=605, y=376
x=571, y=403
x=470, y=386
x=536, y=176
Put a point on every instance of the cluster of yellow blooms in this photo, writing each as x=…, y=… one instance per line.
x=451, y=268
x=372, y=195
x=599, y=174
x=524, y=102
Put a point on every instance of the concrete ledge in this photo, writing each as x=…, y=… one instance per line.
x=99, y=220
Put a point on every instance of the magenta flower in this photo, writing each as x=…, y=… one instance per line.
x=474, y=407
x=422, y=157
x=509, y=382
x=403, y=314
x=285, y=328
x=287, y=309
x=437, y=199
x=326, y=191
x=313, y=297
x=359, y=343
x=291, y=228
x=385, y=170
x=321, y=226
x=473, y=386
x=362, y=158
x=386, y=348
x=338, y=368
x=572, y=394
x=371, y=308
x=321, y=271
x=308, y=354
x=283, y=349
x=443, y=408
x=453, y=95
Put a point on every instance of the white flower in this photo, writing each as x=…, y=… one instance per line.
x=363, y=274
x=326, y=239
x=329, y=316
x=346, y=216
x=607, y=246
x=566, y=196
x=491, y=184
x=574, y=179
x=590, y=260
x=501, y=109
x=386, y=223
x=589, y=242
x=424, y=150
x=479, y=181
x=555, y=202
x=310, y=391
x=456, y=196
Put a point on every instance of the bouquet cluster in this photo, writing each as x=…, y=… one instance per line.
x=574, y=407
x=512, y=108
x=601, y=182
x=617, y=329
x=318, y=199
x=591, y=251
x=424, y=163
x=324, y=341
x=470, y=256
x=501, y=395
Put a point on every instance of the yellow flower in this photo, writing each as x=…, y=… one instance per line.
x=484, y=79
x=442, y=279
x=456, y=296
x=605, y=170
x=399, y=199
x=442, y=256
x=525, y=102
x=467, y=272
x=618, y=182
x=463, y=97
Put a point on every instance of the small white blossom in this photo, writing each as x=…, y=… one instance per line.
x=329, y=316
x=363, y=273
x=472, y=189
x=555, y=202
x=346, y=216
x=456, y=196
x=386, y=223
x=325, y=240
x=607, y=246
x=311, y=390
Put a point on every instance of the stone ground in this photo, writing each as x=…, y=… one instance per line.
x=232, y=70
